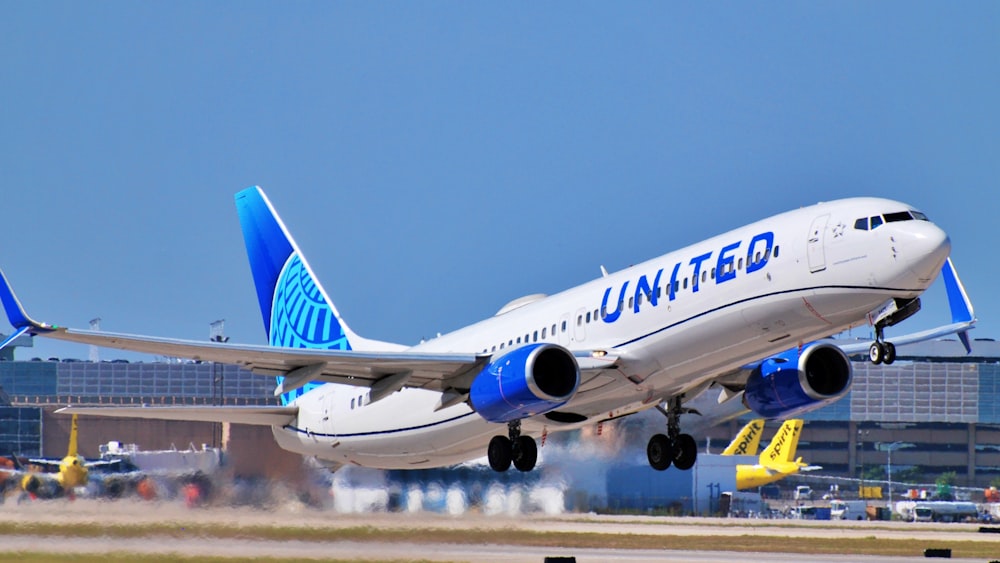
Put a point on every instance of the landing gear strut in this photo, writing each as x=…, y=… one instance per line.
x=674, y=447
x=881, y=352
x=521, y=450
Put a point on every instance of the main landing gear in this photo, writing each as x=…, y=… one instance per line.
x=521, y=450
x=674, y=447
x=881, y=352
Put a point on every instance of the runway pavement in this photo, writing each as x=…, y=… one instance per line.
x=497, y=529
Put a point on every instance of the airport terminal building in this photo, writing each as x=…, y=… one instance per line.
x=941, y=405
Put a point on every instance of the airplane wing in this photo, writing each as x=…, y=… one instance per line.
x=384, y=372
x=264, y=416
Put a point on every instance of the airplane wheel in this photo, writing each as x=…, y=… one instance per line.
x=525, y=453
x=499, y=453
x=660, y=452
x=685, y=452
x=876, y=353
x=890, y=353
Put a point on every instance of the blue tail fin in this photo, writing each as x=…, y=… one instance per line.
x=296, y=310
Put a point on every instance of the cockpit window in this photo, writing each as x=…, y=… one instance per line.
x=866, y=223
x=898, y=216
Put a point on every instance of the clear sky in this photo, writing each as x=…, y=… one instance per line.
x=436, y=160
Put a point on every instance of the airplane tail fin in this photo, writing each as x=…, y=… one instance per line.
x=296, y=310
x=783, y=445
x=748, y=439
x=73, y=433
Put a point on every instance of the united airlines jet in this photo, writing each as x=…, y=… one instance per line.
x=742, y=314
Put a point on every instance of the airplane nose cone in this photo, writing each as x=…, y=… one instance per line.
x=928, y=246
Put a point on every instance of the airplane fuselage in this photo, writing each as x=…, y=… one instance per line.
x=675, y=323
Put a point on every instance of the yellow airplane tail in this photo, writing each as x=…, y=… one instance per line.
x=783, y=445
x=748, y=440
x=72, y=452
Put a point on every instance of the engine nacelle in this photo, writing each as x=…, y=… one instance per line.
x=528, y=381
x=792, y=383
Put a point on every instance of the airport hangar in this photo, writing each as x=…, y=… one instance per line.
x=942, y=403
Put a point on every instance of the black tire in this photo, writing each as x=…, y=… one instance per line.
x=525, y=453
x=685, y=452
x=500, y=453
x=890, y=353
x=659, y=452
x=876, y=353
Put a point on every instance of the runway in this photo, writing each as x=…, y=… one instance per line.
x=297, y=532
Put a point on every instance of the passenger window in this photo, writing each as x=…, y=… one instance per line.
x=564, y=326
x=595, y=315
x=861, y=224
x=704, y=276
x=677, y=286
x=740, y=266
x=518, y=339
x=554, y=327
x=685, y=283
x=494, y=349
x=535, y=337
x=543, y=334
x=579, y=320
x=775, y=251
x=352, y=403
x=876, y=221
x=526, y=339
x=501, y=345
x=588, y=317
x=510, y=342
x=713, y=273
x=630, y=302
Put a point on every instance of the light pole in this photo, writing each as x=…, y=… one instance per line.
x=889, y=448
x=861, y=461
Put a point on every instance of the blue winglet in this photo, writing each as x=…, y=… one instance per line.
x=15, y=312
x=958, y=300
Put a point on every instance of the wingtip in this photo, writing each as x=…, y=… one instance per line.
x=18, y=318
x=958, y=298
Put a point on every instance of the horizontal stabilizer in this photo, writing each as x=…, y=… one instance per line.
x=264, y=416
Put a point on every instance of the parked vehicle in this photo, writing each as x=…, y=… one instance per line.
x=848, y=509
x=803, y=492
x=944, y=511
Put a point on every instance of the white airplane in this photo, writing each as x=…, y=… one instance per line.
x=740, y=312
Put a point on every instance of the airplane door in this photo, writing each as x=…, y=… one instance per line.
x=579, y=327
x=814, y=247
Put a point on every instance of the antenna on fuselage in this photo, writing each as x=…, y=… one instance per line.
x=604, y=271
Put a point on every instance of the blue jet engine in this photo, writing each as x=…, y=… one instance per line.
x=527, y=381
x=795, y=382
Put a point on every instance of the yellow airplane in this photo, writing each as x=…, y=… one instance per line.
x=748, y=440
x=776, y=462
x=71, y=471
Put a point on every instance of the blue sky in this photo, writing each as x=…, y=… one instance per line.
x=435, y=160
